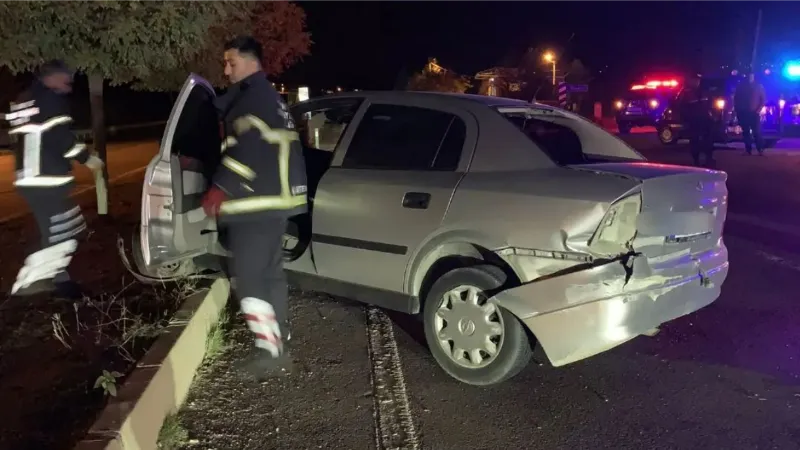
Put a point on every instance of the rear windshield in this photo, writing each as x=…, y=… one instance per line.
x=568, y=138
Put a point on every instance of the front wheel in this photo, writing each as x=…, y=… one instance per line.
x=163, y=273
x=666, y=136
x=473, y=340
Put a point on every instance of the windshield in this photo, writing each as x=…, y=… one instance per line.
x=647, y=94
x=714, y=86
x=568, y=138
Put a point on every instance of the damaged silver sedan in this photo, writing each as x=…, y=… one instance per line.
x=503, y=224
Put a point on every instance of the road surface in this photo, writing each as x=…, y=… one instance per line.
x=124, y=159
x=727, y=377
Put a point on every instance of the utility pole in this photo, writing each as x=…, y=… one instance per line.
x=755, y=43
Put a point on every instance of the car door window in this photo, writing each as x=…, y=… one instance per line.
x=395, y=137
x=321, y=129
x=197, y=133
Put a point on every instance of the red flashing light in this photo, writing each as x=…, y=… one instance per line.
x=655, y=84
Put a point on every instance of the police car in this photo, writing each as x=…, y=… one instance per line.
x=644, y=104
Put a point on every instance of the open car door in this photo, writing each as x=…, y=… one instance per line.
x=174, y=229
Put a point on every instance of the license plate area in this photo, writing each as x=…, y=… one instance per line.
x=735, y=130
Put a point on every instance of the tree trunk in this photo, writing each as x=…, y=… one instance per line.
x=99, y=138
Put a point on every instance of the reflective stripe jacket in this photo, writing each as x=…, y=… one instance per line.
x=44, y=143
x=262, y=169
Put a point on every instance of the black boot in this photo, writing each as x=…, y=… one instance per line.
x=37, y=287
x=68, y=290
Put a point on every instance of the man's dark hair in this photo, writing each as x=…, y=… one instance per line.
x=246, y=45
x=53, y=67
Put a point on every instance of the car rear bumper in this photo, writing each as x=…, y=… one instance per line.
x=636, y=120
x=593, y=310
x=732, y=134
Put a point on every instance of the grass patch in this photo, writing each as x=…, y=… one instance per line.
x=217, y=339
x=172, y=435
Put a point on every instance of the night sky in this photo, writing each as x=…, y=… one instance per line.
x=366, y=45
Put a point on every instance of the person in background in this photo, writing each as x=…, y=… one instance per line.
x=699, y=122
x=45, y=148
x=259, y=185
x=748, y=100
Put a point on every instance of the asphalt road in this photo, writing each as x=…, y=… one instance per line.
x=126, y=159
x=727, y=377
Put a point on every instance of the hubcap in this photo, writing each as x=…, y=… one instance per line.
x=168, y=269
x=469, y=328
x=666, y=135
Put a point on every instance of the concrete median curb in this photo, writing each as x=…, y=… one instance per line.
x=161, y=380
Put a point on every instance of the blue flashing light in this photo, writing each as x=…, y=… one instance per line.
x=792, y=70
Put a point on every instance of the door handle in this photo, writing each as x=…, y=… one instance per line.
x=416, y=200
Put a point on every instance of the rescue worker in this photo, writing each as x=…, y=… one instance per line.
x=45, y=148
x=748, y=100
x=699, y=122
x=260, y=183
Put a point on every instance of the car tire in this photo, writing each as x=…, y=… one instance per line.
x=513, y=347
x=624, y=128
x=667, y=136
x=298, y=231
x=168, y=271
x=770, y=143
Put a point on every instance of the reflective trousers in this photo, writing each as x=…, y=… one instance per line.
x=60, y=223
x=260, y=282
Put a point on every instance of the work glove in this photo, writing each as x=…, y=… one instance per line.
x=212, y=201
x=94, y=163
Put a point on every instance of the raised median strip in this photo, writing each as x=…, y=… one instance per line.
x=160, y=382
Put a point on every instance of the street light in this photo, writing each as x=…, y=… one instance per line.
x=551, y=58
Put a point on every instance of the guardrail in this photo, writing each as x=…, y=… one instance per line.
x=86, y=134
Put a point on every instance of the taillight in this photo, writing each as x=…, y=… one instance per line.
x=618, y=228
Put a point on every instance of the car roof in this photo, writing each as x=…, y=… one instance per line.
x=439, y=96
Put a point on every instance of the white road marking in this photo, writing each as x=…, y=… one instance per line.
x=78, y=191
x=779, y=260
x=394, y=425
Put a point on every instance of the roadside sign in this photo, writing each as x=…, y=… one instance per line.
x=578, y=88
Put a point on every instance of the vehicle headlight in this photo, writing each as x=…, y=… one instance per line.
x=618, y=227
x=720, y=103
x=654, y=104
x=618, y=104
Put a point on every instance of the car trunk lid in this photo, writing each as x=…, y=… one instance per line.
x=683, y=208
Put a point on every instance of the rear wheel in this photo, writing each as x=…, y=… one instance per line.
x=297, y=237
x=666, y=135
x=473, y=340
x=624, y=127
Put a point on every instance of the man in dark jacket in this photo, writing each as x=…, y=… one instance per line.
x=260, y=183
x=696, y=105
x=748, y=101
x=45, y=148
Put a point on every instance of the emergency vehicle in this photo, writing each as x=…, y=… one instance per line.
x=645, y=103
